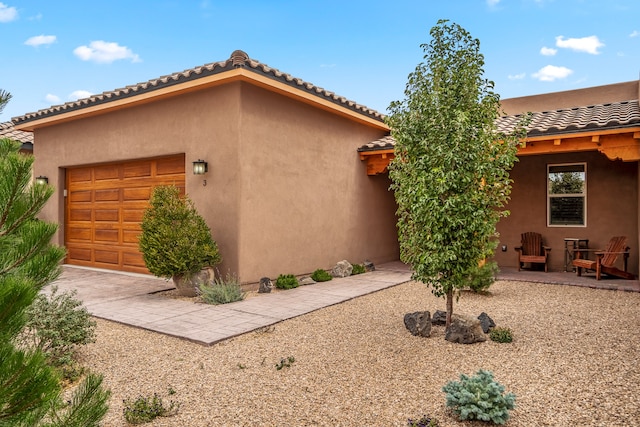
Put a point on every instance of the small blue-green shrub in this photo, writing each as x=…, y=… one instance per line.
x=479, y=398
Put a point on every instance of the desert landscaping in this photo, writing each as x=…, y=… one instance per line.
x=573, y=362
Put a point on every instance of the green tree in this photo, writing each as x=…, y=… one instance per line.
x=451, y=170
x=4, y=99
x=30, y=391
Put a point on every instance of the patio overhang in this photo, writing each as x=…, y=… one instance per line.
x=616, y=144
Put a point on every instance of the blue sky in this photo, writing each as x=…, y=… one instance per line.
x=57, y=51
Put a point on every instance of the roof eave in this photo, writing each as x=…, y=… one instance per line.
x=245, y=74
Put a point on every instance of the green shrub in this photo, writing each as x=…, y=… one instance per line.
x=145, y=409
x=425, y=421
x=321, y=275
x=56, y=325
x=483, y=277
x=175, y=239
x=358, y=269
x=287, y=281
x=479, y=398
x=222, y=291
x=501, y=334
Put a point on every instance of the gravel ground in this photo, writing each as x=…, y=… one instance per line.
x=573, y=362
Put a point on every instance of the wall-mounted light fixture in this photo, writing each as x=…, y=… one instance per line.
x=42, y=180
x=200, y=167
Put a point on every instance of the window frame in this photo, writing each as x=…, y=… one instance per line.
x=576, y=195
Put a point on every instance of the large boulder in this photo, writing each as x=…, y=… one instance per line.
x=465, y=330
x=486, y=322
x=418, y=323
x=342, y=269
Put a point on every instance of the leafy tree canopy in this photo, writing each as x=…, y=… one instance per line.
x=451, y=171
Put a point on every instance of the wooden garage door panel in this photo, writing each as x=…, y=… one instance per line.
x=104, y=209
x=108, y=172
x=79, y=234
x=79, y=175
x=80, y=214
x=170, y=166
x=137, y=170
x=80, y=196
x=140, y=193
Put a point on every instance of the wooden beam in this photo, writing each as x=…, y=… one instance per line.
x=377, y=160
x=622, y=146
x=557, y=141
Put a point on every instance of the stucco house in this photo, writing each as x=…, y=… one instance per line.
x=297, y=176
x=591, y=135
x=284, y=191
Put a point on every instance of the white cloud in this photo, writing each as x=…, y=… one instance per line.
x=634, y=33
x=492, y=2
x=7, y=14
x=36, y=41
x=548, y=51
x=52, y=99
x=79, y=94
x=105, y=52
x=517, y=76
x=551, y=73
x=589, y=44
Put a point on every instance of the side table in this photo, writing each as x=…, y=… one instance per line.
x=570, y=245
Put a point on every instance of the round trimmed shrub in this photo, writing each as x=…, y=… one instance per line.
x=321, y=275
x=175, y=239
x=287, y=281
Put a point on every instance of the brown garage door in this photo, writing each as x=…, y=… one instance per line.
x=104, y=207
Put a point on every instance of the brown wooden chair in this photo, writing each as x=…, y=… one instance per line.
x=605, y=259
x=532, y=250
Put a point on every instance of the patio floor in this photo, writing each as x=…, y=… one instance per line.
x=587, y=280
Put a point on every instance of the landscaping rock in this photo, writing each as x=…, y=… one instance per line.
x=418, y=323
x=307, y=281
x=265, y=286
x=342, y=269
x=368, y=265
x=439, y=318
x=465, y=330
x=486, y=322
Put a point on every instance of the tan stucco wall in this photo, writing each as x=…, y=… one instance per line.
x=286, y=191
x=573, y=98
x=612, y=206
x=306, y=199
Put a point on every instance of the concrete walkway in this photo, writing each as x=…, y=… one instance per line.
x=130, y=299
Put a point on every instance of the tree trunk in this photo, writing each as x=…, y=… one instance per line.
x=449, y=307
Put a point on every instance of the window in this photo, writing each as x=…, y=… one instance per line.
x=567, y=195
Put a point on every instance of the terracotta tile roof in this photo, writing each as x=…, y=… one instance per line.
x=8, y=131
x=237, y=59
x=615, y=115
x=578, y=119
x=384, y=143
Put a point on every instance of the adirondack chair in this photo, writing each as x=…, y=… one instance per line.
x=532, y=250
x=605, y=259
